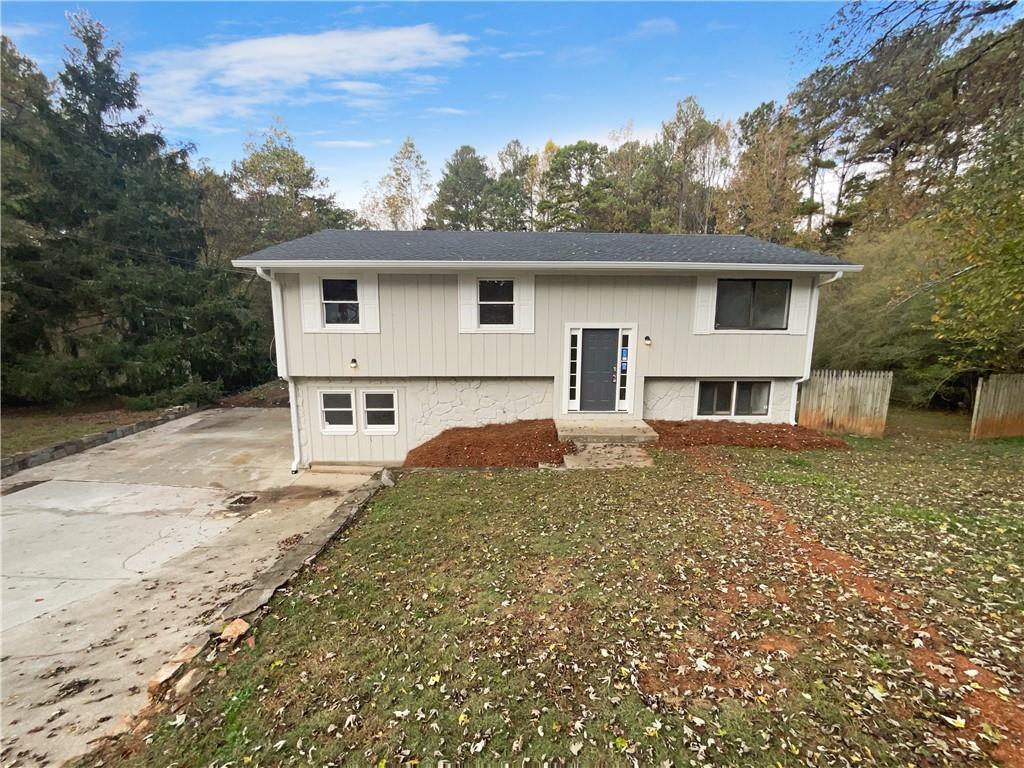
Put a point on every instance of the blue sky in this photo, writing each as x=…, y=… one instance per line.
x=352, y=80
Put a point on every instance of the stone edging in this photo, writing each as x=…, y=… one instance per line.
x=176, y=679
x=13, y=464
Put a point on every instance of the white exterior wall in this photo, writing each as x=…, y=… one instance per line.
x=676, y=400
x=426, y=407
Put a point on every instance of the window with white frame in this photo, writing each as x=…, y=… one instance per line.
x=338, y=412
x=733, y=398
x=380, y=411
x=340, y=300
x=496, y=302
x=758, y=305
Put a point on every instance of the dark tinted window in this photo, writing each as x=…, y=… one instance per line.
x=338, y=418
x=496, y=314
x=341, y=290
x=715, y=398
x=341, y=314
x=380, y=400
x=752, y=398
x=761, y=305
x=380, y=418
x=496, y=290
x=337, y=400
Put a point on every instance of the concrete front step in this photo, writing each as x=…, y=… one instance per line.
x=604, y=430
x=608, y=456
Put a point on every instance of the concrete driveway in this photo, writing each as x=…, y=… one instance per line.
x=114, y=558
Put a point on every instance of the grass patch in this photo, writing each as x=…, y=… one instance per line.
x=612, y=617
x=31, y=428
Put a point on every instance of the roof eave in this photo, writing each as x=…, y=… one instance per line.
x=538, y=266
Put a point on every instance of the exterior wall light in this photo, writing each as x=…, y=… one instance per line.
x=647, y=340
x=353, y=363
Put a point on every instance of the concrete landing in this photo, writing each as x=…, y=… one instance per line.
x=608, y=456
x=604, y=430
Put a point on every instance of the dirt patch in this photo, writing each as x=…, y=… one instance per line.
x=519, y=444
x=271, y=395
x=690, y=434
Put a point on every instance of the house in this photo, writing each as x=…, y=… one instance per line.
x=388, y=338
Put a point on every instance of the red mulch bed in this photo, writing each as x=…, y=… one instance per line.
x=519, y=444
x=689, y=434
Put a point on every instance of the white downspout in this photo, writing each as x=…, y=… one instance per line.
x=277, y=304
x=812, y=322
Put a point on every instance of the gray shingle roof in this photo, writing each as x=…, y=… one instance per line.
x=352, y=245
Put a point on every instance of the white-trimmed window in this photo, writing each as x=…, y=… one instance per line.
x=380, y=411
x=490, y=303
x=733, y=398
x=752, y=305
x=496, y=302
x=338, y=412
x=340, y=300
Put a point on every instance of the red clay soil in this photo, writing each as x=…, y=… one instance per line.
x=271, y=395
x=690, y=434
x=519, y=444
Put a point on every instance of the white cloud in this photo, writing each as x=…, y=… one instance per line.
x=446, y=111
x=659, y=26
x=351, y=143
x=357, y=86
x=23, y=29
x=513, y=55
x=674, y=78
x=235, y=79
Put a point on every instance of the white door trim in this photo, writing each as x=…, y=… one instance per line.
x=631, y=367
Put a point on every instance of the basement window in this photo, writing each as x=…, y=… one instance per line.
x=733, y=398
x=340, y=301
x=752, y=305
x=380, y=412
x=337, y=412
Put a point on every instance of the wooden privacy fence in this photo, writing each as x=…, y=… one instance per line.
x=846, y=401
x=999, y=406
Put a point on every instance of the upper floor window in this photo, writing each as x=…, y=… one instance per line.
x=761, y=305
x=340, y=300
x=496, y=301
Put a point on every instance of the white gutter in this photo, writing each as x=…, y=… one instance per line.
x=277, y=304
x=812, y=322
x=408, y=265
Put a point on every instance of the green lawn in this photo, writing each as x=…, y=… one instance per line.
x=645, y=615
x=31, y=428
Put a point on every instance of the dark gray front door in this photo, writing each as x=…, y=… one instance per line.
x=597, y=369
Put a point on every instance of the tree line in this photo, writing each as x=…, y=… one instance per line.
x=117, y=280
x=903, y=151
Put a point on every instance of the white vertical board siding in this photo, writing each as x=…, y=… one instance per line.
x=419, y=332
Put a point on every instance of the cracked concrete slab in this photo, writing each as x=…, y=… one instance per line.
x=115, y=558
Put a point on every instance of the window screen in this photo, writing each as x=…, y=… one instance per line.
x=379, y=409
x=761, y=305
x=337, y=409
x=497, y=302
x=341, y=301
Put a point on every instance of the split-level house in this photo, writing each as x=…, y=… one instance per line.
x=387, y=339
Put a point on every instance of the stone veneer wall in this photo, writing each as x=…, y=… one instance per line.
x=675, y=400
x=426, y=407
